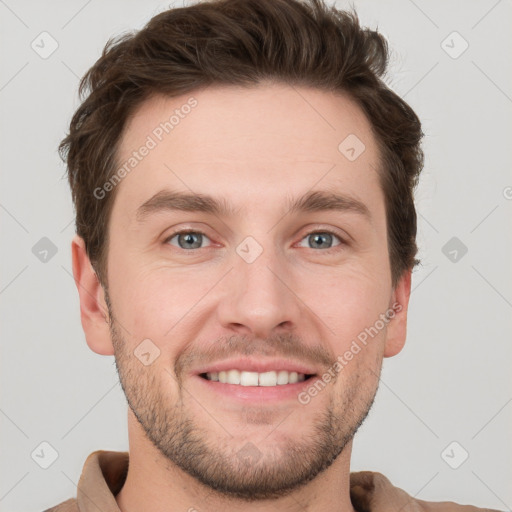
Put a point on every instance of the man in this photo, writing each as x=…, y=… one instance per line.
x=243, y=183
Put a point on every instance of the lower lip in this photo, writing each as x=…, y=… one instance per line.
x=252, y=394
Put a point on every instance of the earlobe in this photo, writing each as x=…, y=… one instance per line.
x=93, y=308
x=397, y=327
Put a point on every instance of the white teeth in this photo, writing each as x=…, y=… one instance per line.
x=247, y=378
x=282, y=377
x=244, y=378
x=267, y=379
x=233, y=377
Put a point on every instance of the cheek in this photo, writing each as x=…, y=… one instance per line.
x=157, y=302
x=350, y=303
x=154, y=302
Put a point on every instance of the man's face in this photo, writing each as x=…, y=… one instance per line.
x=263, y=287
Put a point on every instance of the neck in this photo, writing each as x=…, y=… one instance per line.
x=154, y=483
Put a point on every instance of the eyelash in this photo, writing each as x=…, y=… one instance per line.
x=322, y=231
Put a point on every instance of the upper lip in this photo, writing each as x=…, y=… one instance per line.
x=257, y=365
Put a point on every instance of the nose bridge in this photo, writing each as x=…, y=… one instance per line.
x=257, y=298
x=260, y=278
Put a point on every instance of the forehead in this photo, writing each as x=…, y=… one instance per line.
x=248, y=144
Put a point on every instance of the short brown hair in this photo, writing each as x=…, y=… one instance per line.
x=241, y=42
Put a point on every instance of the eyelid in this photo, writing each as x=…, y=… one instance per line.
x=344, y=238
x=318, y=229
x=185, y=231
x=330, y=231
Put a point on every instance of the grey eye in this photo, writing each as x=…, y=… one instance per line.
x=188, y=239
x=321, y=240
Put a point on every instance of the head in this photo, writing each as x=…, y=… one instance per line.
x=271, y=138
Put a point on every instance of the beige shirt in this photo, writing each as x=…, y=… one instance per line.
x=104, y=474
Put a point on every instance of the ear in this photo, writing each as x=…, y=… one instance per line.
x=93, y=308
x=397, y=326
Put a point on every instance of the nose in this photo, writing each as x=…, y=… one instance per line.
x=258, y=297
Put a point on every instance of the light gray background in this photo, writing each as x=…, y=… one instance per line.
x=452, y=380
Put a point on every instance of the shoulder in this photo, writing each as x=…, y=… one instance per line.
x=370, y=490
x=449, y=506
x=70, y=505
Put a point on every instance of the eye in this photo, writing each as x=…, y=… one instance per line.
x=322, y=240
x=187, y=239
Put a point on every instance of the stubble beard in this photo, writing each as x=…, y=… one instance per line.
x=239, y=469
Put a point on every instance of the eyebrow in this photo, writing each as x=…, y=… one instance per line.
x=316, y=201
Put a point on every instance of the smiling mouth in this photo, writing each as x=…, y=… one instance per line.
x=255, y=379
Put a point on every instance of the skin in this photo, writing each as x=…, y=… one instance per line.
x=271, y=141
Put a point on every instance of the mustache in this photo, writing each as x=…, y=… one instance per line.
x=278, y=345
